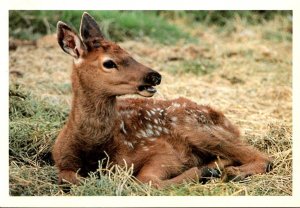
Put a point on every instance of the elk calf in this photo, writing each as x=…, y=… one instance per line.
x=166, y=141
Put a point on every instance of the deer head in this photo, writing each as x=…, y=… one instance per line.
x=101, y=65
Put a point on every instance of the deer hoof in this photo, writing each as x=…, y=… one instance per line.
x=269, y=166
x=208, y=173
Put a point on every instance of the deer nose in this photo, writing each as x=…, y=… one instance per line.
x=152, y=78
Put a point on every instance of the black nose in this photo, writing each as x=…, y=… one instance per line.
x=152, y=78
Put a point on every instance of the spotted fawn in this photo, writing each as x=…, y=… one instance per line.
x=166, y=141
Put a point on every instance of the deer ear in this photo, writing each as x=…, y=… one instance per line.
x=69, y=41
x=90, y=32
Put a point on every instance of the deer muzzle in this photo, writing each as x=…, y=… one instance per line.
x=151, y=79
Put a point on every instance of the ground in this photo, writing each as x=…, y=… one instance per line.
x=246, y=72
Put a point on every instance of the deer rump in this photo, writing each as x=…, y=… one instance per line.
x=166, y=141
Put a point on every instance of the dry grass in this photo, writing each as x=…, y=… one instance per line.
x=248, y=75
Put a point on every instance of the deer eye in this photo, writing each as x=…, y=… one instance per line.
x=109, y=64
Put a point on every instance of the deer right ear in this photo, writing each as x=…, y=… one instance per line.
x=90, y=32
x=69, y=40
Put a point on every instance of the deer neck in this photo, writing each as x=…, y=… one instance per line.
x=94, y=112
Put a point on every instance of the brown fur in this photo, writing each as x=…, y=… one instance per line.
x=165, y=141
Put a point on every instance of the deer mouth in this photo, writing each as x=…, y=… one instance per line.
x=146, y=90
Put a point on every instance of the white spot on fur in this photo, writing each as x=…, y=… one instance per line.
x=188, y=119
x=127, y=112
x=152, y=112
x=176, y=105
x=152, y=139
x=174, y=119
x=149, y=132
x=145, y=148
x=143, y=133
x=123, y=127
x=165, y=130
x=149, y=114
x=155, y=121
x=159, y=128
x=149, y=126
x=157, y=133
x=129, y=144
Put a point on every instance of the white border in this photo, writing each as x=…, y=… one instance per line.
x=102, y=201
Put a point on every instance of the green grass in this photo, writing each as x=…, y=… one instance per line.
x=121, y=25
x=277, y=36
x=224, y=17
x=198, y=67
x=116, y=25
x=33, y=126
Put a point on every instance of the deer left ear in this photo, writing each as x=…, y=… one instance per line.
x=69, y=40
x=90, y=32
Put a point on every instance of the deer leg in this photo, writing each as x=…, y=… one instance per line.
x=250, y=161
x=192, y=174
x=214, y=169
x=68, y=176
x=158, y=179
x=237, y=173
x=220, y=163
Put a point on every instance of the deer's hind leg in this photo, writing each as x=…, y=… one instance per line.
x=165, y=169
x=160, y=180
x=241, y=159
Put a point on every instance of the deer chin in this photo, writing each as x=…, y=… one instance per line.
x=146, y=90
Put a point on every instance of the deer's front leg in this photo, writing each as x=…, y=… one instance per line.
x=68, y=166
x=68, y=176
x=67, y=161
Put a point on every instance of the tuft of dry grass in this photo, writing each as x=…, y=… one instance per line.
x=248, y=75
